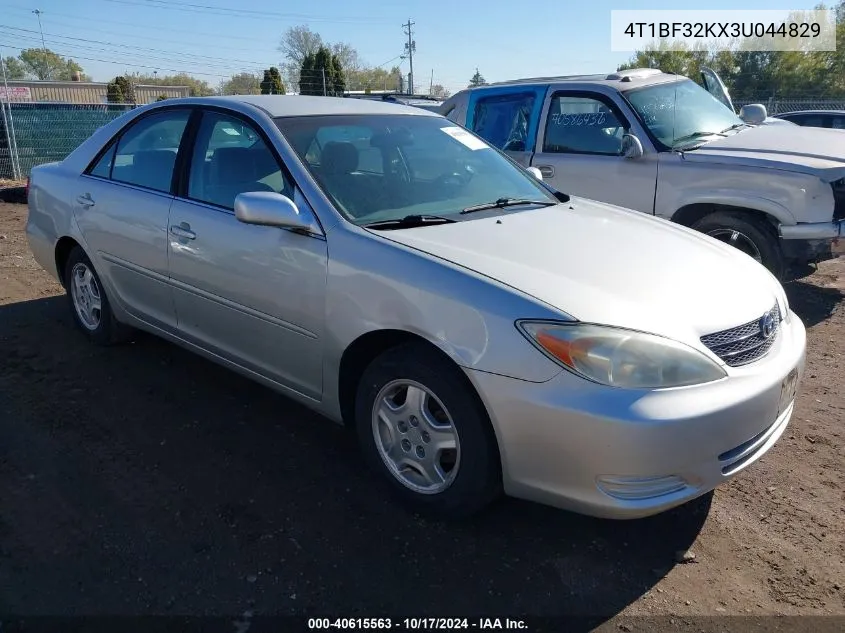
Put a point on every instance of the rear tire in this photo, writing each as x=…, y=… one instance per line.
x=422, y=428
x=749, y=234
x=89, y=303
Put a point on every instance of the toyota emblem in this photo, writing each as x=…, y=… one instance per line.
x=767, y=325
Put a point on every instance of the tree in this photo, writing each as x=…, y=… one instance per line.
x=13, y=67
x=120, y=90
x=439, y=91
x=322, y=74
x=241, y=84
x=373, y=79
x=46, y=65
x=477, y=80
x=752, y=74
x=307, y=83
x=272, y=82
x=161, y=98
x=337, y=79
x=198, y=87
x=298, y=42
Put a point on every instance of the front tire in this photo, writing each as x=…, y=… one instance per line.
x=749, y=234
x=89, y=303
x=423, y=429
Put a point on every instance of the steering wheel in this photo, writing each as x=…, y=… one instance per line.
x=455, y=179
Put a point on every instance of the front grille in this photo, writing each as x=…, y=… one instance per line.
x=744, y=344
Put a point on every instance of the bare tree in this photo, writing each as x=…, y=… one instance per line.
x=298, y=42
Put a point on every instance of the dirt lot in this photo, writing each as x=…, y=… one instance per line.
x=143, y=480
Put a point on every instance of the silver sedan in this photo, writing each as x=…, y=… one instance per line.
x=481, y=331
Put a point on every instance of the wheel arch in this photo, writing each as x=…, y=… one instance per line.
x=690, y=214
x=62, y=251
x=367, y=347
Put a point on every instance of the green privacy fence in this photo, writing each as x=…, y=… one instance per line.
x=36, y=133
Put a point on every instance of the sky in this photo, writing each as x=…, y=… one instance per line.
x=213, y=39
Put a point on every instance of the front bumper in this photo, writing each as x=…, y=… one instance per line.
x=625, y=454
x=813, y=230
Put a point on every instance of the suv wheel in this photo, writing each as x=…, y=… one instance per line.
x=751, y=235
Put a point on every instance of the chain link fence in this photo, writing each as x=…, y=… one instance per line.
x=32, y=133
x=776, y=105
x=36, y=133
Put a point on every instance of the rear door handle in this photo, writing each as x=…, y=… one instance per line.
x=184, y=231
x=547, y=170
x=85, y=200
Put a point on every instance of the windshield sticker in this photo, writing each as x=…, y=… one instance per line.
x=579, y=118
x=462, y=136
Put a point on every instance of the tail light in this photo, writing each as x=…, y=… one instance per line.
x=26, y=192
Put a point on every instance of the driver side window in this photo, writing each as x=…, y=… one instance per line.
x=231, y=158
x=579, y=124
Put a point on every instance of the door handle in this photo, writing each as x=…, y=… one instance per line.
x=184, y=231
x=547, y=170
x=85, y=200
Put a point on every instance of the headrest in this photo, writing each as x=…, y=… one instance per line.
x=152, y=158
x=339, y=158
x=242, y=164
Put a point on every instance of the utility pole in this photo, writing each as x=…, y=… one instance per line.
x=38, y=13
x=431, y=83
x=410, y=49
x=324, y=81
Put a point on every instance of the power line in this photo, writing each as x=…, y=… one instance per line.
x=241, y=13
x=130, y=46
x=142, y=34
x=120, y=63
x=146, y=56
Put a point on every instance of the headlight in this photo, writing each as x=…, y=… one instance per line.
x=621, y=358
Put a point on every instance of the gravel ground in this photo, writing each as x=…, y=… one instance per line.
x=141, y=479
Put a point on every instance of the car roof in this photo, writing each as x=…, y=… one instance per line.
x=795, y=112
x=300, y=105
x=622, y=80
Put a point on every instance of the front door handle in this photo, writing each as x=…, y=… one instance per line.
x=184, y=231
x=85, y=200
x=547, y=170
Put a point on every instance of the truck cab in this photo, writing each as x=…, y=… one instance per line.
x=661, y=144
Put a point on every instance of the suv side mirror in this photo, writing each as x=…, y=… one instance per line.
x=267, y=208
x=536, y=173
x=753, y=113
x=631, y=147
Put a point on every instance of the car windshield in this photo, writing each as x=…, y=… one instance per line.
x=388, y=167
x=682, y=113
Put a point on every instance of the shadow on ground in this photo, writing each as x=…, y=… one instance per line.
x=812, y=303
x=142, y=479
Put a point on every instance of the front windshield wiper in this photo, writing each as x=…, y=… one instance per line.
x=735, y=126
x=695, y=135
x=501, y=203
x=408, y=222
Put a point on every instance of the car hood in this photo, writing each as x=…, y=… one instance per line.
x=815, y=151
x=603, y=264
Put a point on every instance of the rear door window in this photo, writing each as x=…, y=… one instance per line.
x=146, y=151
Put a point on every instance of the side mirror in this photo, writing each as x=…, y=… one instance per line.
x=631, y=147
x=753, y=113
x=536, y=173
x=267, y=208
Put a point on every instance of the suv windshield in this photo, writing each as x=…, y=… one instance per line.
x=386, y=167
x=682, y=113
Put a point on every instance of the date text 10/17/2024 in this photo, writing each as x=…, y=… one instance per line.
x=417, y=624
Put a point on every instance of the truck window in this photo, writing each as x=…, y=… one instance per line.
x=502, y=120
x=582, y=125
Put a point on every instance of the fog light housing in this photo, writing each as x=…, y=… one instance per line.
x=635, y=488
